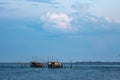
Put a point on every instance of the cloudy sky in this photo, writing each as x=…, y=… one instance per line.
x=77, y=30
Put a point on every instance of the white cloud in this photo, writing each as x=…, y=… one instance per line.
x=92, y=19
x=117, y=21
x=82, y=8
x=59, y=20
x=111, y=20
x=108, y=19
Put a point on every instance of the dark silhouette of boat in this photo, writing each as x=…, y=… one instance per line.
x=36, y=64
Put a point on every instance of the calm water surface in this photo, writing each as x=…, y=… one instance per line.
x=79, y=72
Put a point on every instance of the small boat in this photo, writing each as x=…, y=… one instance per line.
x=36, y=64
x=55, y=65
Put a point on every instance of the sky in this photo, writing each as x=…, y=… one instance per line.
x=63, y=30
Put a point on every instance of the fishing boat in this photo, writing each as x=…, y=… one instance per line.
x=55, y=65
x=36, y=64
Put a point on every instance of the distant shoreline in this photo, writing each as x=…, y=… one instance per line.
x=87, y=63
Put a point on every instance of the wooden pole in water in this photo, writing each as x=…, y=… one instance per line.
x=71, y=65
x=47, y=62
x=48, y=58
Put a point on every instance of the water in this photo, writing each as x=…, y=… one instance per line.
x=79, y=72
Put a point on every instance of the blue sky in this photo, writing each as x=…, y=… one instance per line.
x=77, y=30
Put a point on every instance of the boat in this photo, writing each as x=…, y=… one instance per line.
x=36, y=64
x=55, y=65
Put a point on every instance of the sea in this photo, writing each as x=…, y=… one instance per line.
x=16, y=71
